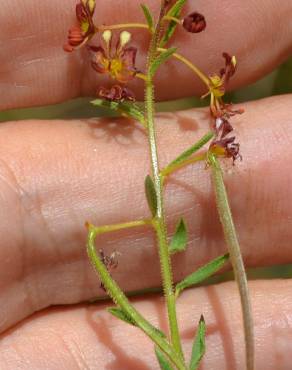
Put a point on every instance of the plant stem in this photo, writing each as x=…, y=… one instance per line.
x=160, y=225
x=235, y=256
x=189, y=64
x=115, y=227
x=185, y=158
x=122, y=301
x=175, y=167
x=174, y=19
x=123, y=26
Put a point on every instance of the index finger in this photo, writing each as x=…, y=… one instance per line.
x=36, y=71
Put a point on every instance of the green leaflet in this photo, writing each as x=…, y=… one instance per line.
x=151, y=195
x=201, y=274
x=148, y=16
x=163, y=362
x=162, y=57
x=125, y=108
x=120, y=314
x=194, y=148
x=159, y=332
x=199, y=346
x=179, y=239
x=174, y=11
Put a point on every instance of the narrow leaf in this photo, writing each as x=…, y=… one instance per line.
x=174, y=11
x=124, y=108
x=199, y=346
x=159, y=332
x=163, y=362
x=120, y=314
x=201, y=274
x=148, y=16
x=151, y=195
x=162, y=58
x=194, y=148
x=179, y=239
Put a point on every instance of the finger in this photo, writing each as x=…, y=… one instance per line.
x=85, y=336
x=56, y=175
x=36, y=71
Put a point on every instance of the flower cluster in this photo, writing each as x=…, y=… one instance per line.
x=79, y=35
x=223, y=144
x=119, y=61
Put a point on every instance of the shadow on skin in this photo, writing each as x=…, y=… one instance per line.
x=121, y=130
x=100, y=325
x=225, y=332
x=219, y=327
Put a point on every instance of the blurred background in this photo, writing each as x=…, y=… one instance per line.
x=278, y=82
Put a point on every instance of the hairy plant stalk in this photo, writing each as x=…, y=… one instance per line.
x=160, y=225
x=235, y=256
x=122, y=301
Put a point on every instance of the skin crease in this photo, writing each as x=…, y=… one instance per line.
x=35, y=70
x=55, y=175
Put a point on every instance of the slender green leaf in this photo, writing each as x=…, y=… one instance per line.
x=180, y=238
x=159, y=332
x=199, y=346
x=174, y=11
x=148, y=16
x=120, y=314
x=201, y=274
x=163, y=361
x=194, y=148
x=151, y=195
x=162, y=58
x=128, y=109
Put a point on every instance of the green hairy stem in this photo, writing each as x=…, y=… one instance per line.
x=235, y=256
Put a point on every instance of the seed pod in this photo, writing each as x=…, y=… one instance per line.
x=194, y=23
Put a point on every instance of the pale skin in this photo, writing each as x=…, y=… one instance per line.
x=55, y=175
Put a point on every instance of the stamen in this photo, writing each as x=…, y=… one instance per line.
x=125, y=38
x=107, y=37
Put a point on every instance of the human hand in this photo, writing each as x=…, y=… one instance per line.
x=55, y=175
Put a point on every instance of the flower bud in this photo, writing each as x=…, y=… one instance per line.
x=194, y=23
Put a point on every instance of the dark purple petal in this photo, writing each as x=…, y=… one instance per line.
x=99, y=61
x=128, y=57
